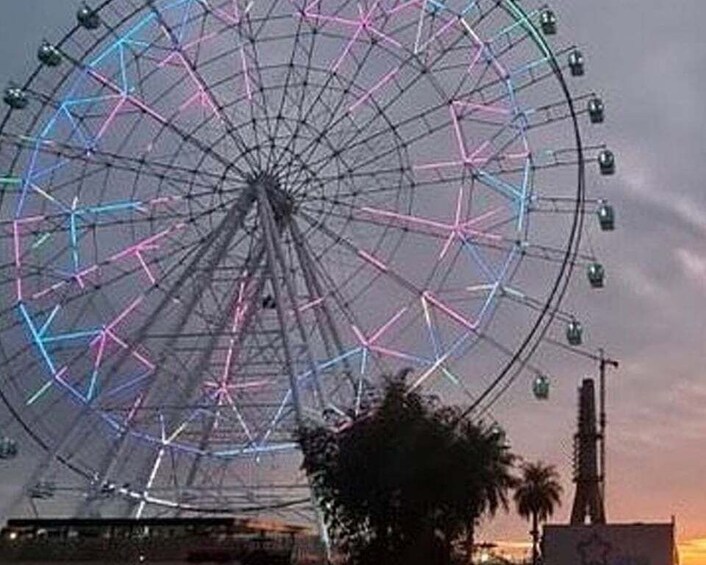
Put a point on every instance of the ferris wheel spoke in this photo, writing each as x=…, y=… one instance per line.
x=274, y=257
x=220, y=243
x=284, y=93
x=153, y=169
x=325, y=319
x=365, y=258
x=203, y=88
x=145, y=109
x=327, y=287
x=257, y=96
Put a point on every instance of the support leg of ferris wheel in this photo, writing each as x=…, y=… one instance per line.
x=275, y=256
x=228, y=228
x=244, y=325
x=43, y=466
x=324, y=317
x=186, y=394
x=270, y=240
x=241, y=208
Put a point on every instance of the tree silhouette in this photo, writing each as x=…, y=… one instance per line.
x=537, y=496
x=402, y=483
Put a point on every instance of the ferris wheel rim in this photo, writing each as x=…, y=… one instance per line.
x=544, y=319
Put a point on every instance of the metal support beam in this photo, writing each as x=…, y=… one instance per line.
x=324, y=317
x=216, y=246
x=265, y=214
x=268, y=218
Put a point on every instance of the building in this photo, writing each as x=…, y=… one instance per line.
x=609, y=544
x=169, y=541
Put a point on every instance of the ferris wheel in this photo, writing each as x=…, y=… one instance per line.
x=224, y=219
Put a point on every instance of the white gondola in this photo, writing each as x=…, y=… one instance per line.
x=15, y=97
x=606, y=162
x=606, y=216
x=596, y=110
x=596, y=275
x=88, y=17
x=547, y=21
x=540, y=387
x=574, y=333
x=8, y=448
x=49, y=55
x=576, y=64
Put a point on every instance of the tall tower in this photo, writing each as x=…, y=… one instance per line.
x=588, y=500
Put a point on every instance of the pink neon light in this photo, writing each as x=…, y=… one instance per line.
x=475, y=60
x=312, y=304
x=363, y=23
x=372, y=260
x=471, y=160
x=16, y=240
x=239, y=312
x=483, y=107
x=363, y=340
x=78, y=277
x=134, y=304
x=136, y=354
x=108, y=329
x=129, y=97
x=456, y=225
x=426, y=295
x=101, y=349
x=347, y=49
x=466, y=159
x=374, y=89
x=424, y=376
x=392, y=353
x=405, y=217
x=369, y=343
x=387, y=325
x=473, y=157
x=201, y=94
x=134, y=408
x=378, y=334
x=458, y=228
x=164, y=200
x=110, y=119
x=79, y=281
x=243, y=62
x=30, y=219
x=225, y=16
x=481, y=47
x=166, y=60
x=226, y=387
x=443, y=29
x=402, y=6
x=145, y=267
x=147, y=244
x=459, y=134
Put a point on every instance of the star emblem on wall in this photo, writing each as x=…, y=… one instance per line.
x=594, y=550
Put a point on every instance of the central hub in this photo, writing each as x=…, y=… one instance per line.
x=280, y=200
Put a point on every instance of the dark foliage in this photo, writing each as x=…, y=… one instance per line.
x=400, y=485
x=537, y=496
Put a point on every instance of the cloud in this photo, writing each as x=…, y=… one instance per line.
x=693, y=265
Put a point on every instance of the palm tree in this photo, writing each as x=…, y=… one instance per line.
x=490, y=475
x=537, y=496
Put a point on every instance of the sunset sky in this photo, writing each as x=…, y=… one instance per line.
x=648, y=59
